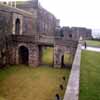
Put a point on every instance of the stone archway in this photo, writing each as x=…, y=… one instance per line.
x=23, y=55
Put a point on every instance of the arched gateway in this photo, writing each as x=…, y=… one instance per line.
x=23, y=55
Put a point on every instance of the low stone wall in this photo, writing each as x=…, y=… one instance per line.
x=72, y=90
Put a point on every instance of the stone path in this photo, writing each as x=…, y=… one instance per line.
x=91, y=49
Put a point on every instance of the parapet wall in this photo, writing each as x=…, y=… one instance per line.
x=72, y=90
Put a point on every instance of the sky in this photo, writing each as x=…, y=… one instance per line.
x=80, y=13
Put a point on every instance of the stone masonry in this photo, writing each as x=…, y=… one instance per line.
x=23, y=30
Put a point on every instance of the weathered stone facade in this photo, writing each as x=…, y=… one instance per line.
x=46, y=22
x=75, y=33
x=27, y=27
x=63, y=47
x=23, y=33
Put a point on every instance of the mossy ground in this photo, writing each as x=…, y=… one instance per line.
x=27, y=83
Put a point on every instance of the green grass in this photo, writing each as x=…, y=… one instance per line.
x=93, y=43
x=27, y=83
x=47, y=57
x=90, y=76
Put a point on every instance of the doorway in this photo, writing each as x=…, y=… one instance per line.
x=23, y=55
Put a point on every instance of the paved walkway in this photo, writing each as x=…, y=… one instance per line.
x=91, y=49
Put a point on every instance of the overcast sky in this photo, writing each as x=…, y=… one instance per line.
x=81, y=13
x=84, y=13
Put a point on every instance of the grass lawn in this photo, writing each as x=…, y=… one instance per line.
x=93, y=43
x=90, y=76
x=27, y=83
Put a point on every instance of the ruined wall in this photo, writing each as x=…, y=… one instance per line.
x=13, y=56
x=27, y=21
x=62, y=47
x=5, y=20
x=45, y=21
x=8, y=17
x=5, y=30
x=82, y=32
x=59, y=51
x=75, y=33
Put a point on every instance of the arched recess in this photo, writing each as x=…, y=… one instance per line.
x=17, y=26
x=23, y=55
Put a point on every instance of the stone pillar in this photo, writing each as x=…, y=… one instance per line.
x=11, y=56
x=34, y=55
x=57, y=57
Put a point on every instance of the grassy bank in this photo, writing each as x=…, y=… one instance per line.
x=93, y=43
x=25, y=83
x=90, y=76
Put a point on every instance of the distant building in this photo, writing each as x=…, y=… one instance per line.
x=75, y=33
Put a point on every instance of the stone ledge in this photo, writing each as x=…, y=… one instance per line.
x=72, y=90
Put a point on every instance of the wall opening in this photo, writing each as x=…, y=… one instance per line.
x=46, y=55
x=66, y=60
x=23, y=55
x=61, y=33
x=70, y=35
x=17, y=26
x=62, y=61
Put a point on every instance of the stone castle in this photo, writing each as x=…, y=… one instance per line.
x=26, y=28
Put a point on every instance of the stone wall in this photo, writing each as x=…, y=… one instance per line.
x=13, y=52
x=75, y=33
x=36, y=28
x=59, y=51
x=72, y=89
x=26, y=5
x=45, y=21
x=5, y=29
x=27, y=20
x=8, y=17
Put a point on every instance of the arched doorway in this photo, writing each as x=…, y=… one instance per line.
x=23, y=55
x=17, y=26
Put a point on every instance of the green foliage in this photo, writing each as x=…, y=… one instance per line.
x=27, y=83
x=90, y=76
